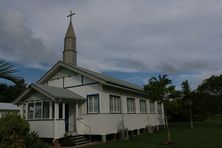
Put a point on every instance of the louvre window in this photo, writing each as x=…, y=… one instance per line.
x=45, y=109
x=152, y=107
x=30, y=110
x=115, y=104
x=159, y=108
x=38, y=110
x=93, y=103
x=131, y=106
x=143, y=106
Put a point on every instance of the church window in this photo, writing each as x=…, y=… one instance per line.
x=115, y=104
x=45, y=109
x=152, y=107
x=24, y=111
x=30, y=110
x=93, y=103
x=159, y=107
x=38, y=109
x=142, y=106
x=131, y=105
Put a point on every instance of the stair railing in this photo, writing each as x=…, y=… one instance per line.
x=87, y=127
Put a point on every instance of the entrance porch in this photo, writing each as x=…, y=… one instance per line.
x=51, y=111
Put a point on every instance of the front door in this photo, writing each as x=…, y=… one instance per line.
x=70, y=117
x=66, y=117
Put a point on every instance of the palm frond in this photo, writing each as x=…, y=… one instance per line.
x=7, y=71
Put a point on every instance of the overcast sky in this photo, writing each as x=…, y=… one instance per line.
x=129, y=39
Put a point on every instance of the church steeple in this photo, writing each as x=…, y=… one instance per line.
x=69, y=53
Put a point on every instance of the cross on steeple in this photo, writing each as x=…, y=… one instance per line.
x=71, y=14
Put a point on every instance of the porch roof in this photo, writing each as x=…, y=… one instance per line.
x=60, y=93
x=51, y=92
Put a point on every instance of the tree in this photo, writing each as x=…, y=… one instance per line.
x=161, y=89
x=15, y=133
x=211, y=86
x=209, y=95
x=186, y=92
x=9, y=92
x=7, y=71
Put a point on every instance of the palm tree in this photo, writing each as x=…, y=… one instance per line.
x=160, y=89
x=7, y=71
x=186, y=91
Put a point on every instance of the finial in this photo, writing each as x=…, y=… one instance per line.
x=71, y=14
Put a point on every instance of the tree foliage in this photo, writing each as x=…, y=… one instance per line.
x=7, y=71
x=8, y=93
x=161, y=89
x=15, y=133
x=211, y=86
x=209, y=95
x=187, y=99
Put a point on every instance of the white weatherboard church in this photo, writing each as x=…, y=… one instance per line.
x=71, y=99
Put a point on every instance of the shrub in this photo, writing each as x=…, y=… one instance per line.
x=15, y=133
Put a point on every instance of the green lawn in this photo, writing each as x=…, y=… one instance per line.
x=206, y=134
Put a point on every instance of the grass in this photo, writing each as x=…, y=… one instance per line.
x=206, y=134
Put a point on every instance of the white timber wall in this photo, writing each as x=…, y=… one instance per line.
x=104, y=122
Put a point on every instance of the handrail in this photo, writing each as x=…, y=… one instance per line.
x=87, y=127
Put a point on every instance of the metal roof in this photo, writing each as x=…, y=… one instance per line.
x=8, y=106
x=59, y=93
x=111, y=80
x=51, y=92
x=99, y=77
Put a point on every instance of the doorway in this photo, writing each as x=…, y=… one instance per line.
x=66, y=117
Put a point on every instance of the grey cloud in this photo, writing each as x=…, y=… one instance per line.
x=148, y=35
x=180, y=66
x=18, y=43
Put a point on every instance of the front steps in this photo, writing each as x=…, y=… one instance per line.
x=74, y=140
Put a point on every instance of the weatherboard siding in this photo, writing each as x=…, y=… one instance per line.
x=45, y=129
x=101, y=123
x=107, y=123
x=68, y=79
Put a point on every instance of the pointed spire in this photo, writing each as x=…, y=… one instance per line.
x=70, y=31
x=69, y=53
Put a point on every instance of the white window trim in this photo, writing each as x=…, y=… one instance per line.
x=159, y=108
x=129, y=106
x=93, y=103
x=152, y=111
x=143, y=110
x=114, y=105
x=34, y=110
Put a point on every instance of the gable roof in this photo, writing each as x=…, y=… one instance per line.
x=51, y=92
x=99, y=77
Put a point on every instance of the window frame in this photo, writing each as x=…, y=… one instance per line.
x=145, y=106
x=35, y=109
x=113, y=105
x=93, y=104
x=38, y=110
x=31, y=104
x=129, y=105
x=43, y=110
x=159, y=108
x=152, y=110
